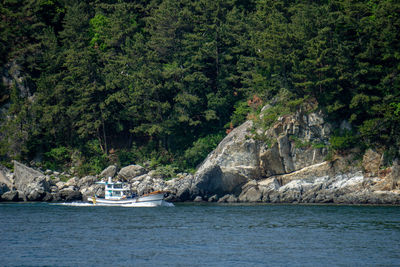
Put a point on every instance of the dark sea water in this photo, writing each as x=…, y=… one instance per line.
x=40, y=234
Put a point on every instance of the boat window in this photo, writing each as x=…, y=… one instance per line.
x=118, y=186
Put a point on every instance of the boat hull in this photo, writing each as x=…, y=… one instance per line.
x=151, y=200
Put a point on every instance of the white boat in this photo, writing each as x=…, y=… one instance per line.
x=119, y=194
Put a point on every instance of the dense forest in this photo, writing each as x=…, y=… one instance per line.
x=160, y=82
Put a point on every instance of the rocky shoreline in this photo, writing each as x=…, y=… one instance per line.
x=281, y=164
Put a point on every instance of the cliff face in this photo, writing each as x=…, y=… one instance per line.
x=286, y=163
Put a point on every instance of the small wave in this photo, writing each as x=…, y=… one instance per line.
x=75, y=204
x=167, y=204
x=84, y=204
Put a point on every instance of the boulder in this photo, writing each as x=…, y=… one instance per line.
x=229, y=198
x=31, y=184
x=93, y=190
x=258, y=191
x=38, y=188
x=68, y=195
x=73, y=182
x=61, y=185
x=237, y=151
x=213, y=198
x=86, y=181
x=251, y=194
x=110, y=171
x=129, y=172
x=11, y=196
x=219, y=181
x=36, y=195
x=24, y=175
x=179, y=188
x=198, y=199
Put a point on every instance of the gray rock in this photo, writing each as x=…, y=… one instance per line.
x=54, y=189
x=198, y=199
x=271, y=161
x=86, y=181
x=251, y=194
x=37, y=188
x=24, y=175
x=21, y=196
x=213, y=181
x=228, y=199
x=213, y=198
x=3, y=188
x=371, y=162
x=48, y=197
x=129, y=172
x=30, y=183
x=36, y=195
x=179, y=188
x=110, y=171
x=68, y=195
x=284, y=153
x=93, y=190
x=11, y=196
x=239, y=158
x=4, y=174
x=61, y=185
x=72, y=182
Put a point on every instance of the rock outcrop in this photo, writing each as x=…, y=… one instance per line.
x=110, y=171
x=129, y=172
x=241, y=157
x=286, y=164
x=33, y=184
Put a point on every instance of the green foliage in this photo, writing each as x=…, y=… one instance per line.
x=126, y=157
x=99, y=24
x=271, y=114
x=396, y=107
x=56, y=158
x=242, y=109
x=166, y=171
x=200, y=149
x=341, y=141
x=318, y=145
x=94, y=160
x=298, y=143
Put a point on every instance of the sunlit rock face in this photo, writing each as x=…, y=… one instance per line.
x=286, y=163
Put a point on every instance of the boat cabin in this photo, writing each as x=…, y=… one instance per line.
x=115, y=190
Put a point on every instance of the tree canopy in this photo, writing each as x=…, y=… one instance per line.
x=125, y=81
